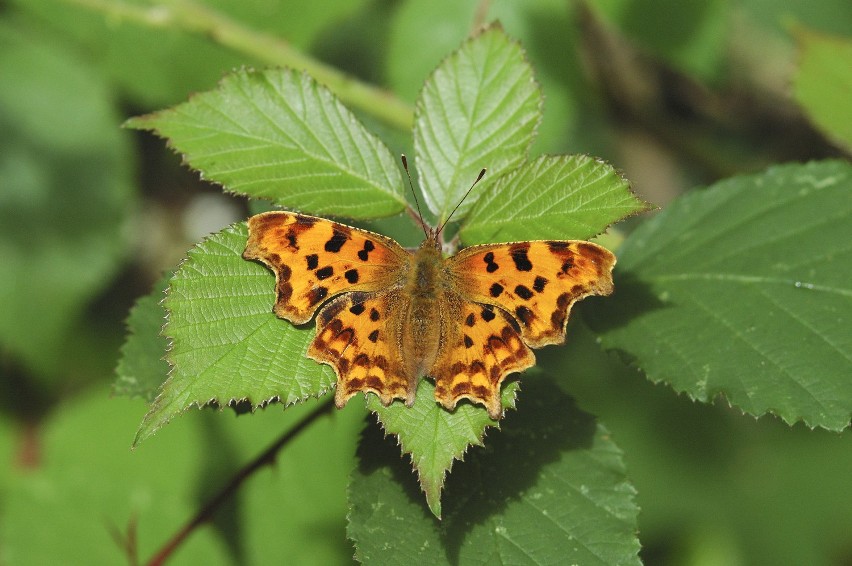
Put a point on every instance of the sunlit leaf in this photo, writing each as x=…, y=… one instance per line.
x=278, y=135
x=552, y=197
x=226, y=344
x=479, y=109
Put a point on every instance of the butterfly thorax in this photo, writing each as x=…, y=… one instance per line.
x=425, y=288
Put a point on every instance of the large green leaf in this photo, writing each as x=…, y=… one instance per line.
x=553, y=197
x=549, y=488
x=435, y=437
x=718, y=486
x=226, y=344
x=278, y=135
x=480, y=108
x=65, y=194
x=142, y=368
x=823, y=83
x=743, y=290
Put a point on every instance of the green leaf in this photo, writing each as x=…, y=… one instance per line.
x=480, y=108
x=752, y=491
x=141, y=368
x=226, y=344
x=65, y=197
x=278, y=135
x=823, y=83
x=549, y=488
x=743, y=290
x=435, y=437
x=413, y=50
x=561, y=197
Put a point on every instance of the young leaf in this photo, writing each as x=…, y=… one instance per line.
x=823, y=83
x=743, y=290
x=226, y=344
x=435, y=437
x=548, y=488
x=278, y=135
x=480, y=108
x=553, y=197
x=141, y=369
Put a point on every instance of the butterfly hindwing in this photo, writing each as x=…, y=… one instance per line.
x=357, y=336
x=480, y=349
x=315, y=259
x=536, y=282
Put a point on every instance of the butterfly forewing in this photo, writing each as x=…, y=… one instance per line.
x=315, y=259
x=535, y=282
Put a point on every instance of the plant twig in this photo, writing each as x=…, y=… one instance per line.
x=191, y=17
x=208, y=510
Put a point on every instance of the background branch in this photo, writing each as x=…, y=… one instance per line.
x=191, y=17
x=209, y=509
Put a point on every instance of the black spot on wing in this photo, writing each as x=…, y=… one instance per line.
x=490, y=265
x=471, y=319
x=325, y=272
x=539, y=284
x=468, y=342
x=351, y=276
x=518, y=253
x=496, y=290
x=364, y=253
x=374, y=335
x=488, y=313
x=523, y=292
x=524, y=314
x=313, y=261
x=337, y=240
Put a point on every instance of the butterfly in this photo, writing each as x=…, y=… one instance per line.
x=388, y=315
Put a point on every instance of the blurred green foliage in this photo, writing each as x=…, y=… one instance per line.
x=675, y=94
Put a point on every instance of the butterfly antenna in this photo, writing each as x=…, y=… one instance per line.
x=414, y=194
x=478, y=179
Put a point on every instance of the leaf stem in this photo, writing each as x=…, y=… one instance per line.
x=209, y=509
x=192, y=17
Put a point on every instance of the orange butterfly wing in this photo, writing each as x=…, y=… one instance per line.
x=358, y=334
x=536, y=282
x=479, y=350
x=315, y=259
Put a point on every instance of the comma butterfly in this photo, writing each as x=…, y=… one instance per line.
x=390, y=315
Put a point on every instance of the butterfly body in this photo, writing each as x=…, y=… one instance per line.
x=388, y=316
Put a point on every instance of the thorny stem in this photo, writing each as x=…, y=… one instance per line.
x=191, y=17
x=209, y=509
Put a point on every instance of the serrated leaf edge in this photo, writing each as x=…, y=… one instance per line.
x=497, y=27
x=199, y=403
